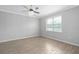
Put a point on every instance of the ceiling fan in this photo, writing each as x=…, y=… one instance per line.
x=33, y=9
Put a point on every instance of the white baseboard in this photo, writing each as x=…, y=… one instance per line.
x=61, y=40
x=42, y=36
x=18, y=38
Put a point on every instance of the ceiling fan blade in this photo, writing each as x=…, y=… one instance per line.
x=36, y=12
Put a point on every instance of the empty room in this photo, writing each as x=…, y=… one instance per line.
x=39, y=29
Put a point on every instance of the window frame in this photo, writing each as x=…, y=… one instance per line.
x=53, y=25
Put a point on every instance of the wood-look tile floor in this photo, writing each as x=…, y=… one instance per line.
x=37, y=45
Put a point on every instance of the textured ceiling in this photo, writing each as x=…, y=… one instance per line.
x=43, y=9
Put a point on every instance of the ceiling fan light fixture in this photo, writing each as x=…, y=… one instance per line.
x=32, y=11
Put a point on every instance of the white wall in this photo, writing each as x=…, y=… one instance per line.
x=14, y=26
x=70, y=26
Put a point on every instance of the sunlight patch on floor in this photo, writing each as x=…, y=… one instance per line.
x=52, y=49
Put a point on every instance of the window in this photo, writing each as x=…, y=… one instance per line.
x=54, y=24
